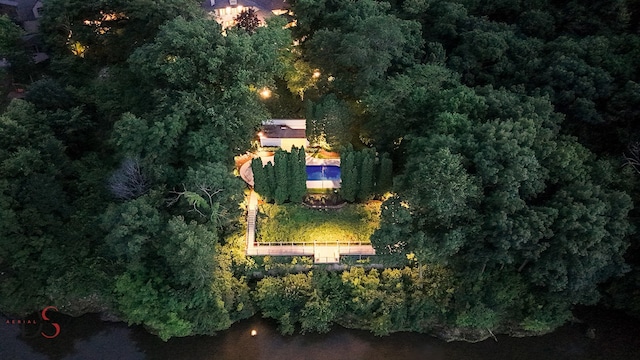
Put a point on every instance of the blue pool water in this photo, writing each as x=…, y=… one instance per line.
x=323, y=172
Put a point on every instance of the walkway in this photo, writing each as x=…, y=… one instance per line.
x=323, y=253
x=252, y=211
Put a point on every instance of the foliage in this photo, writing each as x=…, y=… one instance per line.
x=329, y=123
x=247, y=20
x=261, y=181
x=385, y=174
x=286, y=180
x=282, y=177
x=128, y=182
x=348, y=175
x=494, y=194
x=109, y=30
x=505, y=121
x=359, y=172
x=298, y=174
x=356, y=51
x=12, y=49
x=383, y=302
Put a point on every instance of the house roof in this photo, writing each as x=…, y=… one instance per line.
x=24, y=8
x=9, y=2
x=282, y=131
x=264, y=5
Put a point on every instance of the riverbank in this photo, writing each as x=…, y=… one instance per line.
x=87, y=337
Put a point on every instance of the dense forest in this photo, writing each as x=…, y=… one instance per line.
x=511, y=125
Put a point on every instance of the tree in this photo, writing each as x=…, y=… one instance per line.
x=111, y=30
x=356, y=51
x=349, y=176
x=282, y=176
x=260, y=179
x=35, y=209
x=189, y=252
x=490, y=200
x=201, y=83
x=396, y=108
x=283, y=299
x=212, y=194
x=330, y=121
x=385, y=174
x=12, y=49
x=366, y=175
x=247, y=20
x=128, y=181
x=298, y=173
x=270, y=172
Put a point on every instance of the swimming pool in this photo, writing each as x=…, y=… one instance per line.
x=323, y=172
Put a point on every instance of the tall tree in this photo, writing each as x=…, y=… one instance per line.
x=385, y=174
x=349, y=176
x=282, y=176
x=260, y=179
x=298, y=173
x=330, y=121
x=366, y=175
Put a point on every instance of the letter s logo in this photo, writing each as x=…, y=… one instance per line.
x=46, y=318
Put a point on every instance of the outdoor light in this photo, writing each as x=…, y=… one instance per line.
x=316, y=74
x=254, y=332
x=260, y=135
x=265, y=93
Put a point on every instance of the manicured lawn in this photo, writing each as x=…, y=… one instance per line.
x=296, y=223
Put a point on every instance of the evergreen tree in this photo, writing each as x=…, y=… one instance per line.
x=298, y=174
x=270, y=175
x=366, y=176
x=281, y=193
x=349, y=176
x=385, y=180
x=260, y=184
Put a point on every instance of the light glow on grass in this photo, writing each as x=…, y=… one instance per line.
x=298, y=224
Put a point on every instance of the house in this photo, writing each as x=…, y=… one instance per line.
x=27, y=13
x=225, y=11
x=24, y=12
x=284, y=133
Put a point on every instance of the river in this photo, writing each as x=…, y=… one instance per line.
x=86, y=337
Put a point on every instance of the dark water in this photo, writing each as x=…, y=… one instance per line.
x=617, y=337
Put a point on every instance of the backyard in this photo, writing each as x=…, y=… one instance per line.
x=298, y=224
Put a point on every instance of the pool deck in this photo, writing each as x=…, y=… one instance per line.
x=316, y=161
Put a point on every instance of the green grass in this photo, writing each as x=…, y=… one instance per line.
x=319, y=190
x=296, y=223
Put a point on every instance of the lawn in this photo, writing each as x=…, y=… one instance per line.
x=296, y=223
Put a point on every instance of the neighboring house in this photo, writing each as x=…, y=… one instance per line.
x=27, y=13
x=225, y=11
x=24, y=12
x=284, y=133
